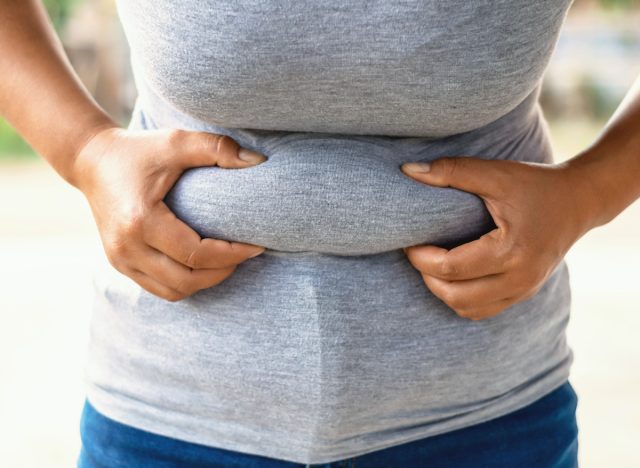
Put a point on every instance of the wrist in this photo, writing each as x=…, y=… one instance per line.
x=77, y=169
x=599, y=184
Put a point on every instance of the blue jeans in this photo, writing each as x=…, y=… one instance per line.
x=542, y=434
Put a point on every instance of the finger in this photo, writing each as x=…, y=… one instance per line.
x=178, y=277
x=470, y=294
x=481, y=257
x=196, y=148
x=488, y=310
x=170, y=235
x=499, y=306
x=154, y=287
x=483, y=177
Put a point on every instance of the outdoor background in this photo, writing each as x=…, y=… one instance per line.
x=48, y=245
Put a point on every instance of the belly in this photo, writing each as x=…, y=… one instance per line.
x=323, y=350
x=326, y=350
x=327, y=194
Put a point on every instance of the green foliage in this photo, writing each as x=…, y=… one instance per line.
x=59, y=11
x=11, y=144
x=617, y=3
x=600, y=103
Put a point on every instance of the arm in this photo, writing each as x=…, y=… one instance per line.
x=540, y=211
x=611, y=165
x=40, y=94
x=123, y=174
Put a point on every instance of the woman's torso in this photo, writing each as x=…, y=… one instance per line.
x=329, y=344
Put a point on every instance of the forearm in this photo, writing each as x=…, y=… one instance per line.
x=40, y=94
x=609, y=169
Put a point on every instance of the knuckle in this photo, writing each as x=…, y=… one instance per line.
x=192, y=260
x=453, y=299
x=225, y=142
x=456, y=302
x=466, y=313
x=215, y=142
x=499, y=308
x=174, y=296
x=540, y=276
x=210, y=141
x=512, y=257
x=132, y=222
x=526, y=279
x=114, y=258
x=184, y=286
x=115, y=250
x=450, y=165
x=447, y=267
x=521, y=288
x=530, y=292
x=221, y=276
x=176, y=137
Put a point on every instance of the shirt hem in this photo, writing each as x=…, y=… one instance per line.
x=283, y=446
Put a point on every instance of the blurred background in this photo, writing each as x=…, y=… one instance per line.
x=48, y=245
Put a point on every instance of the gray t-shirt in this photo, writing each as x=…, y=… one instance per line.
x=330, y=345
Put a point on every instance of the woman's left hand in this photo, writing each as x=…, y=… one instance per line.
x=539, y=210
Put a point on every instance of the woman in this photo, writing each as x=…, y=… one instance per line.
x=320, y=301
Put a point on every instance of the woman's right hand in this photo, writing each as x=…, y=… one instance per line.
x=125, y=175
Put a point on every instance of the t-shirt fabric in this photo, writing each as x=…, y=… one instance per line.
x=329, y=345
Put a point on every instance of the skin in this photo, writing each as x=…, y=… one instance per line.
x=540, y=210
x=123, y=174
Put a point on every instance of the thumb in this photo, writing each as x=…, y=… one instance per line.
x=471, y=174
x=200, y=148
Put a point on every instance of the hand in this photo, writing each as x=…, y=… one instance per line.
x=125, y=176
x=538, y=213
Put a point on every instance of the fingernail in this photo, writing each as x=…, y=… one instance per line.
x=251, y=156
x=256, y=254
x=417, y=167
